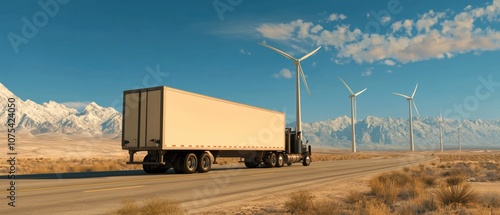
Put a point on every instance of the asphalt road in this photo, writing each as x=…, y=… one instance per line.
x=223, y=186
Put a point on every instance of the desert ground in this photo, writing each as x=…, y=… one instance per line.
x=479, y=169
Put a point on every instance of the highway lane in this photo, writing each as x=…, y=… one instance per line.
x=100, y=193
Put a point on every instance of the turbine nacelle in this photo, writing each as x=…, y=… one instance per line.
x=296, y=62
x=300, y=73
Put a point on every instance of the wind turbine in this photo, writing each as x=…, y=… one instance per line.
x=352, y=96
x=459, y=143
x=410, y=101
x=299, y=72
x=441, y=131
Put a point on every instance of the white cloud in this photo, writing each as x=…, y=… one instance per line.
x=367, y=72
x=76, y=105
x=408, y=25
x=335, y=17
x=389, y=62
x=284, y=73
x=428, y=20
x=396, y=26
x=245, y=52
x=385, y=19
x=389, y=71
x=314, y=64
x=433, y=35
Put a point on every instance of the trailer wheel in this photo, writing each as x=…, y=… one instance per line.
x=280, y=160
x=306, y=160
x=150, y=169
x=177, y=163
x=251, y=164
x=190, y=163
x=204, y=163
x=271, y=160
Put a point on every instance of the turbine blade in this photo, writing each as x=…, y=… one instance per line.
x=414, y=91
x=399, y=94
x=304, y=78
x=357, y=94
x=310, y=53
x=352, y=93
x=279, y=51
x=415, y=105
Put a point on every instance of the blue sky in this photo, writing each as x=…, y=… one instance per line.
x=82, y=51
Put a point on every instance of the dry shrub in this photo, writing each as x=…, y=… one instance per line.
x=385, y=189
x=490, y=199
x=328, y=208
x=455, y=180
x=299, y=202
x=429, y=180
x=412, y=190
x=456, y=194
x=490, y=176
x=153, y=205
x=372, y=207
x=396, y=184
x=421, y=205
x=354, y=196
x=406, y=169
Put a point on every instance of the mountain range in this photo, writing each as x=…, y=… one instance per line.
x=371, y=133
x=52, y=117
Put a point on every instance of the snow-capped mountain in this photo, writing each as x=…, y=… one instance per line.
x=52, y=117
x=389, y=133
x=371, y=132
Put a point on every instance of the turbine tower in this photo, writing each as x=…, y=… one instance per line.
x=441, y=131
x=459, y=143
x=299, y=72
x=410, y=101
x=353, y=96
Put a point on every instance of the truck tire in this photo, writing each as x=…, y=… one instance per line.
x=204, y=163
x=307, y=159
x=280, y=160
x=152, y=169
x=271, y=160
x=177, y=163
x=251, y=164
x=190, y=163
x=288, y=164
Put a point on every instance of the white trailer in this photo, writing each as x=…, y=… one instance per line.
x=189, y=131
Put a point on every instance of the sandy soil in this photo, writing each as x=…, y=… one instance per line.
x=67, y=146
x=273, y=203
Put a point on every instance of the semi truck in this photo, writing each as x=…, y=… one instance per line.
x=189, y=132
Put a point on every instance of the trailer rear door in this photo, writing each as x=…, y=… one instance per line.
x=142, y=118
